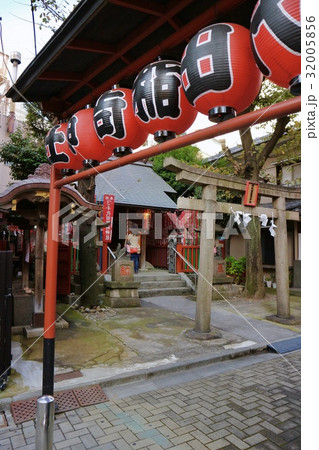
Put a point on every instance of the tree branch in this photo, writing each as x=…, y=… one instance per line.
x=237, y=167
x=277, y=134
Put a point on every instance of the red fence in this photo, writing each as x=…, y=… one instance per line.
x=191, y=254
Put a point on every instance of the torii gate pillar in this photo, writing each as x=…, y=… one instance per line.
x=281, y=260
x=202, y=328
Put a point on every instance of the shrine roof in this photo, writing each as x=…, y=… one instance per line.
x=135, y=185
x=39, y=185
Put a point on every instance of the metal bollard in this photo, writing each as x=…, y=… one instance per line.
x=44, y=423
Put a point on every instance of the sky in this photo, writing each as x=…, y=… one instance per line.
x=17, y=30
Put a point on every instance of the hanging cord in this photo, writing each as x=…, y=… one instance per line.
x=34, y=33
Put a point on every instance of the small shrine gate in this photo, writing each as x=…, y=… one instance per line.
x=209, y=206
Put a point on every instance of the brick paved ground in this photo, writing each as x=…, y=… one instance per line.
x=257, y=406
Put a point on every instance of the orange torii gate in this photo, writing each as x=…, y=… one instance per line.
x=208, y=206
x=241, y=122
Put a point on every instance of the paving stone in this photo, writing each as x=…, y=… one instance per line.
x=201, y=437
x=5, y=444
x=220, y=443
x=108, y=438
x=88, y=440
x=18, y=441
x=58, y=436
x=28, y=432
x=181, y=439
x=197, y=445
x=67, y=443
x=66, y=427
x=255, y=439
x=121, y=444
x=237, y=442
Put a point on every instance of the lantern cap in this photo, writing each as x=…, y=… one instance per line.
x=164, y=135
x=295, y=85
x=67, y=172
x=90, y=163
x=122, y=151
x=221, y=113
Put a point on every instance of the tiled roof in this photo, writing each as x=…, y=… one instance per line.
x=135, y=185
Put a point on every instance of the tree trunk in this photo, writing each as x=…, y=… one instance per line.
x=254, y=286
x=88, y=272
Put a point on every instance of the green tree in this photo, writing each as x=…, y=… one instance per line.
x=190, y=155
x=51, y=12
x=25, y=150
x=37, y=122
x=22, y=154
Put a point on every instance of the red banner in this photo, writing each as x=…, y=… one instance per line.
x=108, y=212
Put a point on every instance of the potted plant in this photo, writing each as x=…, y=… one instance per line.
x=268, y=282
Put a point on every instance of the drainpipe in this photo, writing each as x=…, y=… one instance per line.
x=15, y=59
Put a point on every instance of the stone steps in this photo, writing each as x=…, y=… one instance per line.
x=163, y=292
x=157, y=277
x=161, y=284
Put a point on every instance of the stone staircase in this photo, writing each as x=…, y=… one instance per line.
x=161, y=283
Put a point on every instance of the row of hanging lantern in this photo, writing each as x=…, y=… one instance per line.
x=220, y=75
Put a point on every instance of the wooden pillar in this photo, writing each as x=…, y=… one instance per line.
x=39, y=276
x=25, y=259
x=104, y=257
x=206, y=262
x=296, y=243
x=143, y=252
x=281, y=260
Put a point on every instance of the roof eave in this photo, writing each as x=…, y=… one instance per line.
x=84, y=12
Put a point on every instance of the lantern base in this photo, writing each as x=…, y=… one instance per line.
x=295, y=85
x=67, y=172
x=90, y=163
x=164, y=135
x=122, y=151
x=221, y=113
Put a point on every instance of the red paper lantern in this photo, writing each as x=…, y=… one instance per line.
x=276, y=41
x=115, y=123
x=159, y=102
x=82, y=137
x=219, y=74
x=58, y=150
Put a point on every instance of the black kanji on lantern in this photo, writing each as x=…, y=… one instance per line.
x=282, y=26
x=206, y=63
x=53, y=138
x=108, y=115
x=73, y=139
x=156, y=91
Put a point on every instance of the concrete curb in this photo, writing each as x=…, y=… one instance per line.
x=180, y=366
x=145, y=374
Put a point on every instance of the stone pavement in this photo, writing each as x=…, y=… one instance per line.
x=232, y=317
x=250, y=402
x=203, y=398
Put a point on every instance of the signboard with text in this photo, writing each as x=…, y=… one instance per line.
x=251, y=194
x=108, y=212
